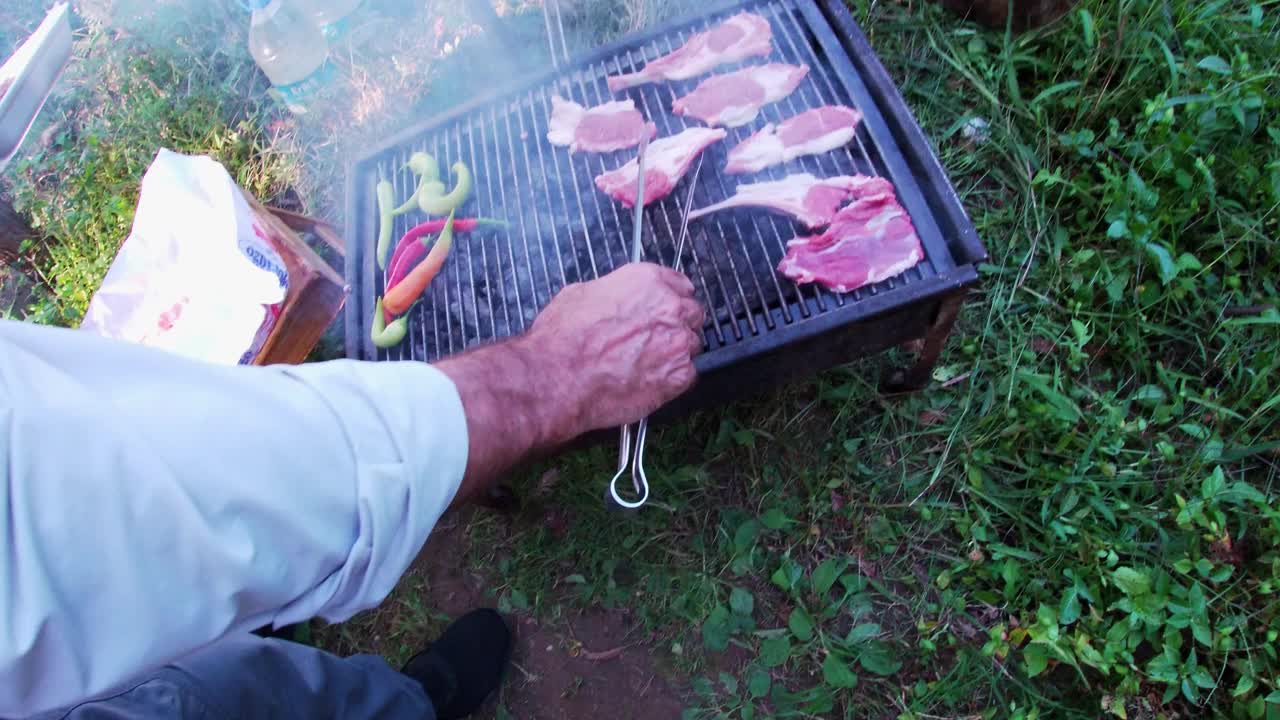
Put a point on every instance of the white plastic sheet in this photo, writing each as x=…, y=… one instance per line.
x=197, y=275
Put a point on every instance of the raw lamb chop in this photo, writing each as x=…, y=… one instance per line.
x=869, y=240
x=738, y=38
x=810, y=133
x=665, y=162
x=806, y=198
x=612, y=126
x=735, y=98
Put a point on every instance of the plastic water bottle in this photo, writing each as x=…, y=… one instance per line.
x=290, y=49
x=332, y=16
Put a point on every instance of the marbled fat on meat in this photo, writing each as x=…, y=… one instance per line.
x=612, y=126
x=870, y=240
x=735, y=98
x=812, y=132
x=742, y=36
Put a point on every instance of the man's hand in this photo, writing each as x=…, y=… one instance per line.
x=602, y=353
x=621, y=346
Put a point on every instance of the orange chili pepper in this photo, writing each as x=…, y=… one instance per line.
x=401, y=297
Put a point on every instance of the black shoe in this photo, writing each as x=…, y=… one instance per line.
x=465, y=665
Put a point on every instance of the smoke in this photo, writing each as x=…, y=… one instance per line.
x=400, y=63
x=405, y=63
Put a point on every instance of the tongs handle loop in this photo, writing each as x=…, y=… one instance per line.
x=639, y=481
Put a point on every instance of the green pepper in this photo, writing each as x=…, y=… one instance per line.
x=424, y=166
x=394, y=334
x=409, y=204
x=428, y=172
x=384, y=335
x=432, y=199
x=386, y=214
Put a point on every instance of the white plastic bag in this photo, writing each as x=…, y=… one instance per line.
x=197, y=275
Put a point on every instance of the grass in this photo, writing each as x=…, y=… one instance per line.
x=1080, y=518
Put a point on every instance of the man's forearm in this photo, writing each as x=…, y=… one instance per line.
x=506, y=391
x=601, y=354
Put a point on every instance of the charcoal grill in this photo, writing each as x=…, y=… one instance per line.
x=761, y=326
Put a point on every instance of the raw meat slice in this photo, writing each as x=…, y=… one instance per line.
x=810, y=133
x=735, y=98
x=612, y=126
x=742, y=36
x=665, y=162
x=806, y=198
x=869, y=240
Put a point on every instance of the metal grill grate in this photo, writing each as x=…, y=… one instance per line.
x=562, y=229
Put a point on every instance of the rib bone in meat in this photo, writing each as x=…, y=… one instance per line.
x=810, y=200
x=666, y=161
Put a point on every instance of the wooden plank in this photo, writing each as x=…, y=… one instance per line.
x=315, y=296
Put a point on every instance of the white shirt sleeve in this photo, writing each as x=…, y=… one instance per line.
x=150, y=505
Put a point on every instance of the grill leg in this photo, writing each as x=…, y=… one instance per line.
x=917, y=375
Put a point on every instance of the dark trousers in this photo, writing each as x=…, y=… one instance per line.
x=249, y=677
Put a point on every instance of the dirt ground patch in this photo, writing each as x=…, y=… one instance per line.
x=592, y=664
x=578, y=665
x=15, y=290
x=587, y=668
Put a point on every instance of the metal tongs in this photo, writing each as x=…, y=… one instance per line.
x=627, y=459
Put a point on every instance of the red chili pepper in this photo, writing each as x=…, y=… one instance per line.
x=408, y=252
x=399, y=298
x=403, y=261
